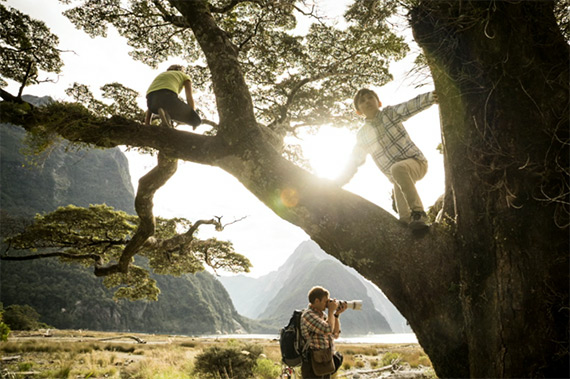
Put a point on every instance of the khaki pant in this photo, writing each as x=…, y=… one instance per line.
x=405, y=174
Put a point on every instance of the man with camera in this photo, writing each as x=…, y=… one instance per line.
x=318, y=330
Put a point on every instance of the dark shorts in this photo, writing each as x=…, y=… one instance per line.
x=176, y=108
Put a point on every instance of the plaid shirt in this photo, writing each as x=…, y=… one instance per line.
x=316, y=330
x=385, y=138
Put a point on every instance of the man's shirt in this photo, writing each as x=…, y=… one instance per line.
x=316, y=330
x=385, y=138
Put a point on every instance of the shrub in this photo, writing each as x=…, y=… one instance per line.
x=4, y=329
x=389, y=358
x=21, y=317
x=227, y=362
x=266, y=369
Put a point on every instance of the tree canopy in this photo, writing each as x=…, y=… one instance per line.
x=27, y=48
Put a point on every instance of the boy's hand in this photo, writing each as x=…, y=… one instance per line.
x=435, y=98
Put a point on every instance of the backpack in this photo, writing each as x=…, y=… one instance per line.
x=291, y=341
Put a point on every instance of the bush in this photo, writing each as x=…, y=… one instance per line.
x=228, y=362
x=389, y=358
x=266, y=369
x=4, y=329
x=21, y=317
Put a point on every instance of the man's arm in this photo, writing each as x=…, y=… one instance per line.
x=188, y=90
x=336, y=330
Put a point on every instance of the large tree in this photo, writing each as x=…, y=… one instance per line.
x=485, y=290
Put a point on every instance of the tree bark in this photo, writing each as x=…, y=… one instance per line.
x=501, y=72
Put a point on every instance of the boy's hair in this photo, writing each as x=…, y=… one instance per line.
x=317, y=293
x=361, y=92
x=175, y=67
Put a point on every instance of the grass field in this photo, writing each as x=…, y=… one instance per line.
x=88, y=354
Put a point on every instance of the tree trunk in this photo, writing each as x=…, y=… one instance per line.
x=501, y=72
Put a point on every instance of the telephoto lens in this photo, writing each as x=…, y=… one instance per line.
x=353, y=304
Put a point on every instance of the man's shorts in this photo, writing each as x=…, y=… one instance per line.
x=176, y=108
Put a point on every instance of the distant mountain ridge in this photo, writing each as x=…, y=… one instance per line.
x=70, y=296
x=272, y=297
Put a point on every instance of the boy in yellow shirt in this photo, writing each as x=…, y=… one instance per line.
x=162, y=98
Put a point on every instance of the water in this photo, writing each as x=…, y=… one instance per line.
x=393, y=338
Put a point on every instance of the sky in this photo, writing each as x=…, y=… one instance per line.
x=201, y=192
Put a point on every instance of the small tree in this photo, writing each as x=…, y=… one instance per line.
x=21, y=317
x=28, y=47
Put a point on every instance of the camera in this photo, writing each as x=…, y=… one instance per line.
x=350, y=304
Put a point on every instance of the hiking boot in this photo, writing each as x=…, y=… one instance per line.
x=418, y=221
x=165, y=117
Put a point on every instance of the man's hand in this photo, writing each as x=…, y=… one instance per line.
x=342, y=307
x=332, y=305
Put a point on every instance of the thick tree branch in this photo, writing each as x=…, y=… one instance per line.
x=148, y=185
x=76, y=125
x=237, y=120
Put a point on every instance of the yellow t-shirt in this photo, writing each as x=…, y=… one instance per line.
x=170, y=80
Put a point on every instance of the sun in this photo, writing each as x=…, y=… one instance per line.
x=328, y=151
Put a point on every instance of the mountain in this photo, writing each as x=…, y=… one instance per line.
x=272, y=297
x=70, y=296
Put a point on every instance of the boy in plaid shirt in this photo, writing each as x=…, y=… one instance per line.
x=384, y=137
x=318, y=329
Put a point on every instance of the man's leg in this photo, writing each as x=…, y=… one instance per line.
x=405, y=174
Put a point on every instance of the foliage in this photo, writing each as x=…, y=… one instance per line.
x=98, y=235
x=390, y=358
x=266, y=369
x=27, y=46
x=21, y=317
x=562, y=13
x=228, y=362
x=295, y=80
x=123, y=100
x=4, y=329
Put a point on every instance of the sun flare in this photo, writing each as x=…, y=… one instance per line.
x=328, y=150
